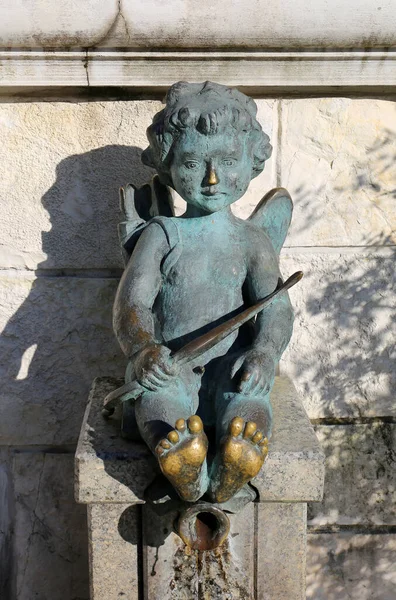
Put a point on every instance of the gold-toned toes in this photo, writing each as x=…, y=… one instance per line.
x=263, y=445
x=236, y=426
x=173, y=437
x=257, y=437
x=180, y=424
x=165, y=444
x=195, y=424
x=250, y=429
x=159, y=450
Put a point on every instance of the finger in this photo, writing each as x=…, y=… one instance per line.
x=148, y=385
x=246, y=382
x=159, y=373
x=154, y=380
x=151, y=382
x=168, y=366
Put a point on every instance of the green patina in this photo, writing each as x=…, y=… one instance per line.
x=185, y=275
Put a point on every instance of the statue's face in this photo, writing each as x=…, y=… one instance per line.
x=211, y=172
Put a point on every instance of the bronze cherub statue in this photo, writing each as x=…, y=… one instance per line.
x=187, y=275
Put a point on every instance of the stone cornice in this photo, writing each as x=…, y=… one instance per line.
x=255, y=69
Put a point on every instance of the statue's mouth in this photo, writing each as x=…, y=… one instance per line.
x=212, y=193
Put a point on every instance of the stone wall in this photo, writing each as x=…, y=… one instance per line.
x=62, y=165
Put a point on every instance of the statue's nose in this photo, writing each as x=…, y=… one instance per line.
x=212, y=175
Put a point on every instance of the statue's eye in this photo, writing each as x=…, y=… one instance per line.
x=229, y=162
x=191, y=164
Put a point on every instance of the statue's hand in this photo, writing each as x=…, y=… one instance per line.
x=154, y=366
x=256, y=372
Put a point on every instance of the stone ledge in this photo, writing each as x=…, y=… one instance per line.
x=112, y=470
x=257, y=71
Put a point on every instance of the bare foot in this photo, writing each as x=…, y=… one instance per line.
x=242, y=455
x=181, y=456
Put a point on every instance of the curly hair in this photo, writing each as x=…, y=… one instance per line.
x=209, y=108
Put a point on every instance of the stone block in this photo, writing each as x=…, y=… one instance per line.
x=6, y=524
x=281, y=551
x=115, y=550
x=342, y=353
x=82, y=153
x=263, y=556
x=56, y=336
x=50, y=531
x=345, y=566
x=337, y=161
x=171, y=570
x=110, y=469
x=360, y=475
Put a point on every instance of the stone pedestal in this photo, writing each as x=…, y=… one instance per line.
x=135, y=554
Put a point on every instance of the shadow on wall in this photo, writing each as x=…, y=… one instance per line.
x=357, y=568
x=367, y=177
x=59, y=338
x=348, y=308
x=66, y=317
x=348, y=372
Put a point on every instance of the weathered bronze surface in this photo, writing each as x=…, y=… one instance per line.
x=133, y=390
x=189, y=314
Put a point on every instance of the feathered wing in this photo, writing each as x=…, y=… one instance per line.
x=273, y=214
x=138, y=206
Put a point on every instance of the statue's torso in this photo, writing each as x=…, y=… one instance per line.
x=204, y=285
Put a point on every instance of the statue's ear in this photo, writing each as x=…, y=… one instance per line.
x=273, y=214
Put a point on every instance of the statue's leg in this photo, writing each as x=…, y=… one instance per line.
x=243, y=430
x=174, y=433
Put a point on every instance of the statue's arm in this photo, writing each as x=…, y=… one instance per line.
x=133, y=318
x=274, y=324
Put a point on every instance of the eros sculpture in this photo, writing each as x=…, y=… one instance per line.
x=202, y=348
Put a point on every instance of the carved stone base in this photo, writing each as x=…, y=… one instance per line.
x=134, y=552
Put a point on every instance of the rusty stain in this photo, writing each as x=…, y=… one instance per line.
x=208, y=575
x=203, y=527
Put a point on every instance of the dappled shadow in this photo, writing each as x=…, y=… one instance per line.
x=342, y=358
x=350, y=567
x=370, y=180
x=342, y=354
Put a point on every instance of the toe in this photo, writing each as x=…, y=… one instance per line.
x=236, y=426
x=250, y=429
x=258, y=436
x=173, y=437
x=165, y=444
x=263, y=445
x=195, y=424
x=159, y=450
x=180, y=425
